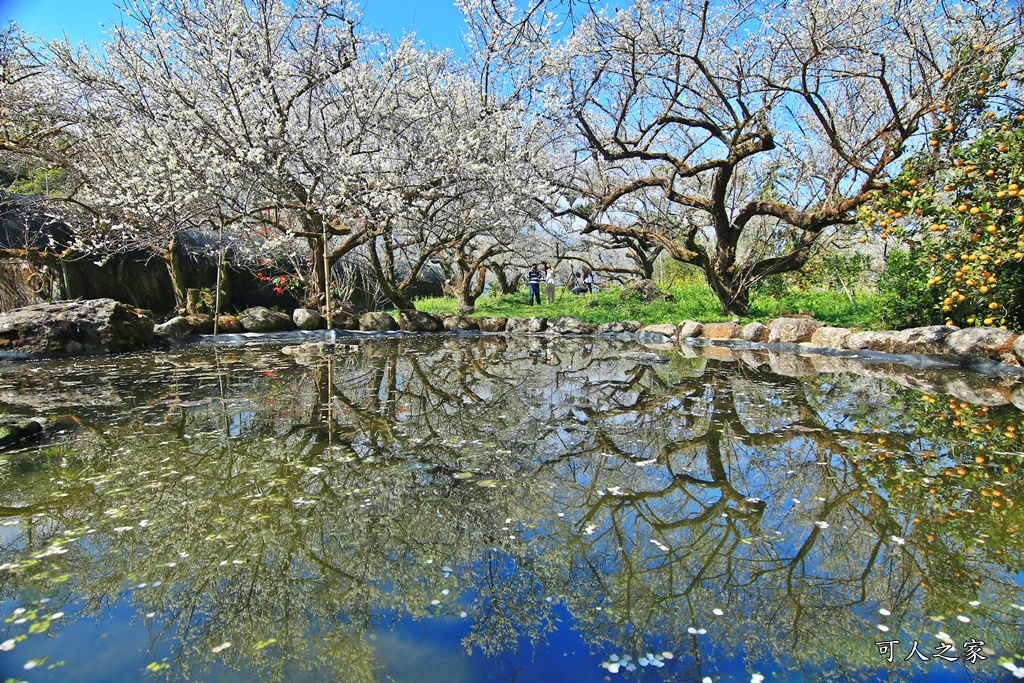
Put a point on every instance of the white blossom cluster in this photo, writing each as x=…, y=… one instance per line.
x=730, y=135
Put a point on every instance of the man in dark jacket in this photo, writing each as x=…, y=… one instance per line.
x=533, y=279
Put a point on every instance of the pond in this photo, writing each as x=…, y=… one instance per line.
x=508, y=508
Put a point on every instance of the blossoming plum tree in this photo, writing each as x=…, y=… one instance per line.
x=765, y=125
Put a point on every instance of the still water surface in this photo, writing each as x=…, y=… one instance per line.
x=517, y=509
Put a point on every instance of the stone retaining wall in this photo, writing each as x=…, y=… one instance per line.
x=969, y=345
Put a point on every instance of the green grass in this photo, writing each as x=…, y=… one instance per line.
x=693, y=300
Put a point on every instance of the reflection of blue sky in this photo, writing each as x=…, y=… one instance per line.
x=409, y=650
x=427, y=651
x=111, y=649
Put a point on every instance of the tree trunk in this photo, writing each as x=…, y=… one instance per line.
x=317, y=277
x=226, y=288
x=733, y=294
x=176, y=272
x=505, y=285
x=386, y=279
x=469, y=287
x=644, y=254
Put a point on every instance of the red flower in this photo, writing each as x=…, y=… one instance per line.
x=282, y=280
x=278, y=290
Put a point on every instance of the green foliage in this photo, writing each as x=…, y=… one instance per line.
x=958, y=206
x=693, y=299
x=963, y=215
x=905, y=297
x=40, y=181
x=829, y=306
x=832, y=269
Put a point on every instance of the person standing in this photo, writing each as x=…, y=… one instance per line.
x=588, y=278
x=533, y=283
x=549, y=281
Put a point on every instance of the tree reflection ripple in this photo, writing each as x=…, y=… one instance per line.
x=279, y=513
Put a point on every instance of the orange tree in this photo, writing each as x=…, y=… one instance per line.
x=958, y=210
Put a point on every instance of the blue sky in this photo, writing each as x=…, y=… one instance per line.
x=436, y=22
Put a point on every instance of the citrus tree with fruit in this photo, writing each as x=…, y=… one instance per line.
x=956, y=206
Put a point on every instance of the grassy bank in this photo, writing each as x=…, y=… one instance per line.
x=693, y=300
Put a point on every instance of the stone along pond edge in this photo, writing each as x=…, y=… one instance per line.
x=795, y=346
x=75, y=328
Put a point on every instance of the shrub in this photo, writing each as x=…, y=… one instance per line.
x=905, y=297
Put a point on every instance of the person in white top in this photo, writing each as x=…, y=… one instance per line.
x=549, y=280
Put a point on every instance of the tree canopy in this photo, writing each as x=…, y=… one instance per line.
x=730, y=136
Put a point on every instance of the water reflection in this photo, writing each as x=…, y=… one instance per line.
x=278, y=512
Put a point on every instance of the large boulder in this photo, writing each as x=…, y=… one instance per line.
x=178, y=326
x=525, y=325
x=919, y=340
x=730, y=330
x=460, y=322
x=570, y=324
x=1018, y=348
x=260, y=319
x=229, y=324
x=17, y=429
x=377, y=321
x=75, y=328
x=197, y=301
x=791, y=365
x=1017, y=397
x=307, y=354
x=492, y=324
x=722, y=354
x=752, y=332
x=793, y=330
x=619, y=327
x=306, y=319
x=411, y=320
x=829, y=337
x=984, y=342
x=344, y=320
x=690, y=328
x=669, y=331
x=645, y=290
x=872, y=341
x=201, y=323
x=982, y=393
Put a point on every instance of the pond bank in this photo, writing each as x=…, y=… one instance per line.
x=103, y=326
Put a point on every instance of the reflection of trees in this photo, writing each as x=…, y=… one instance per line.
x=309, y=492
